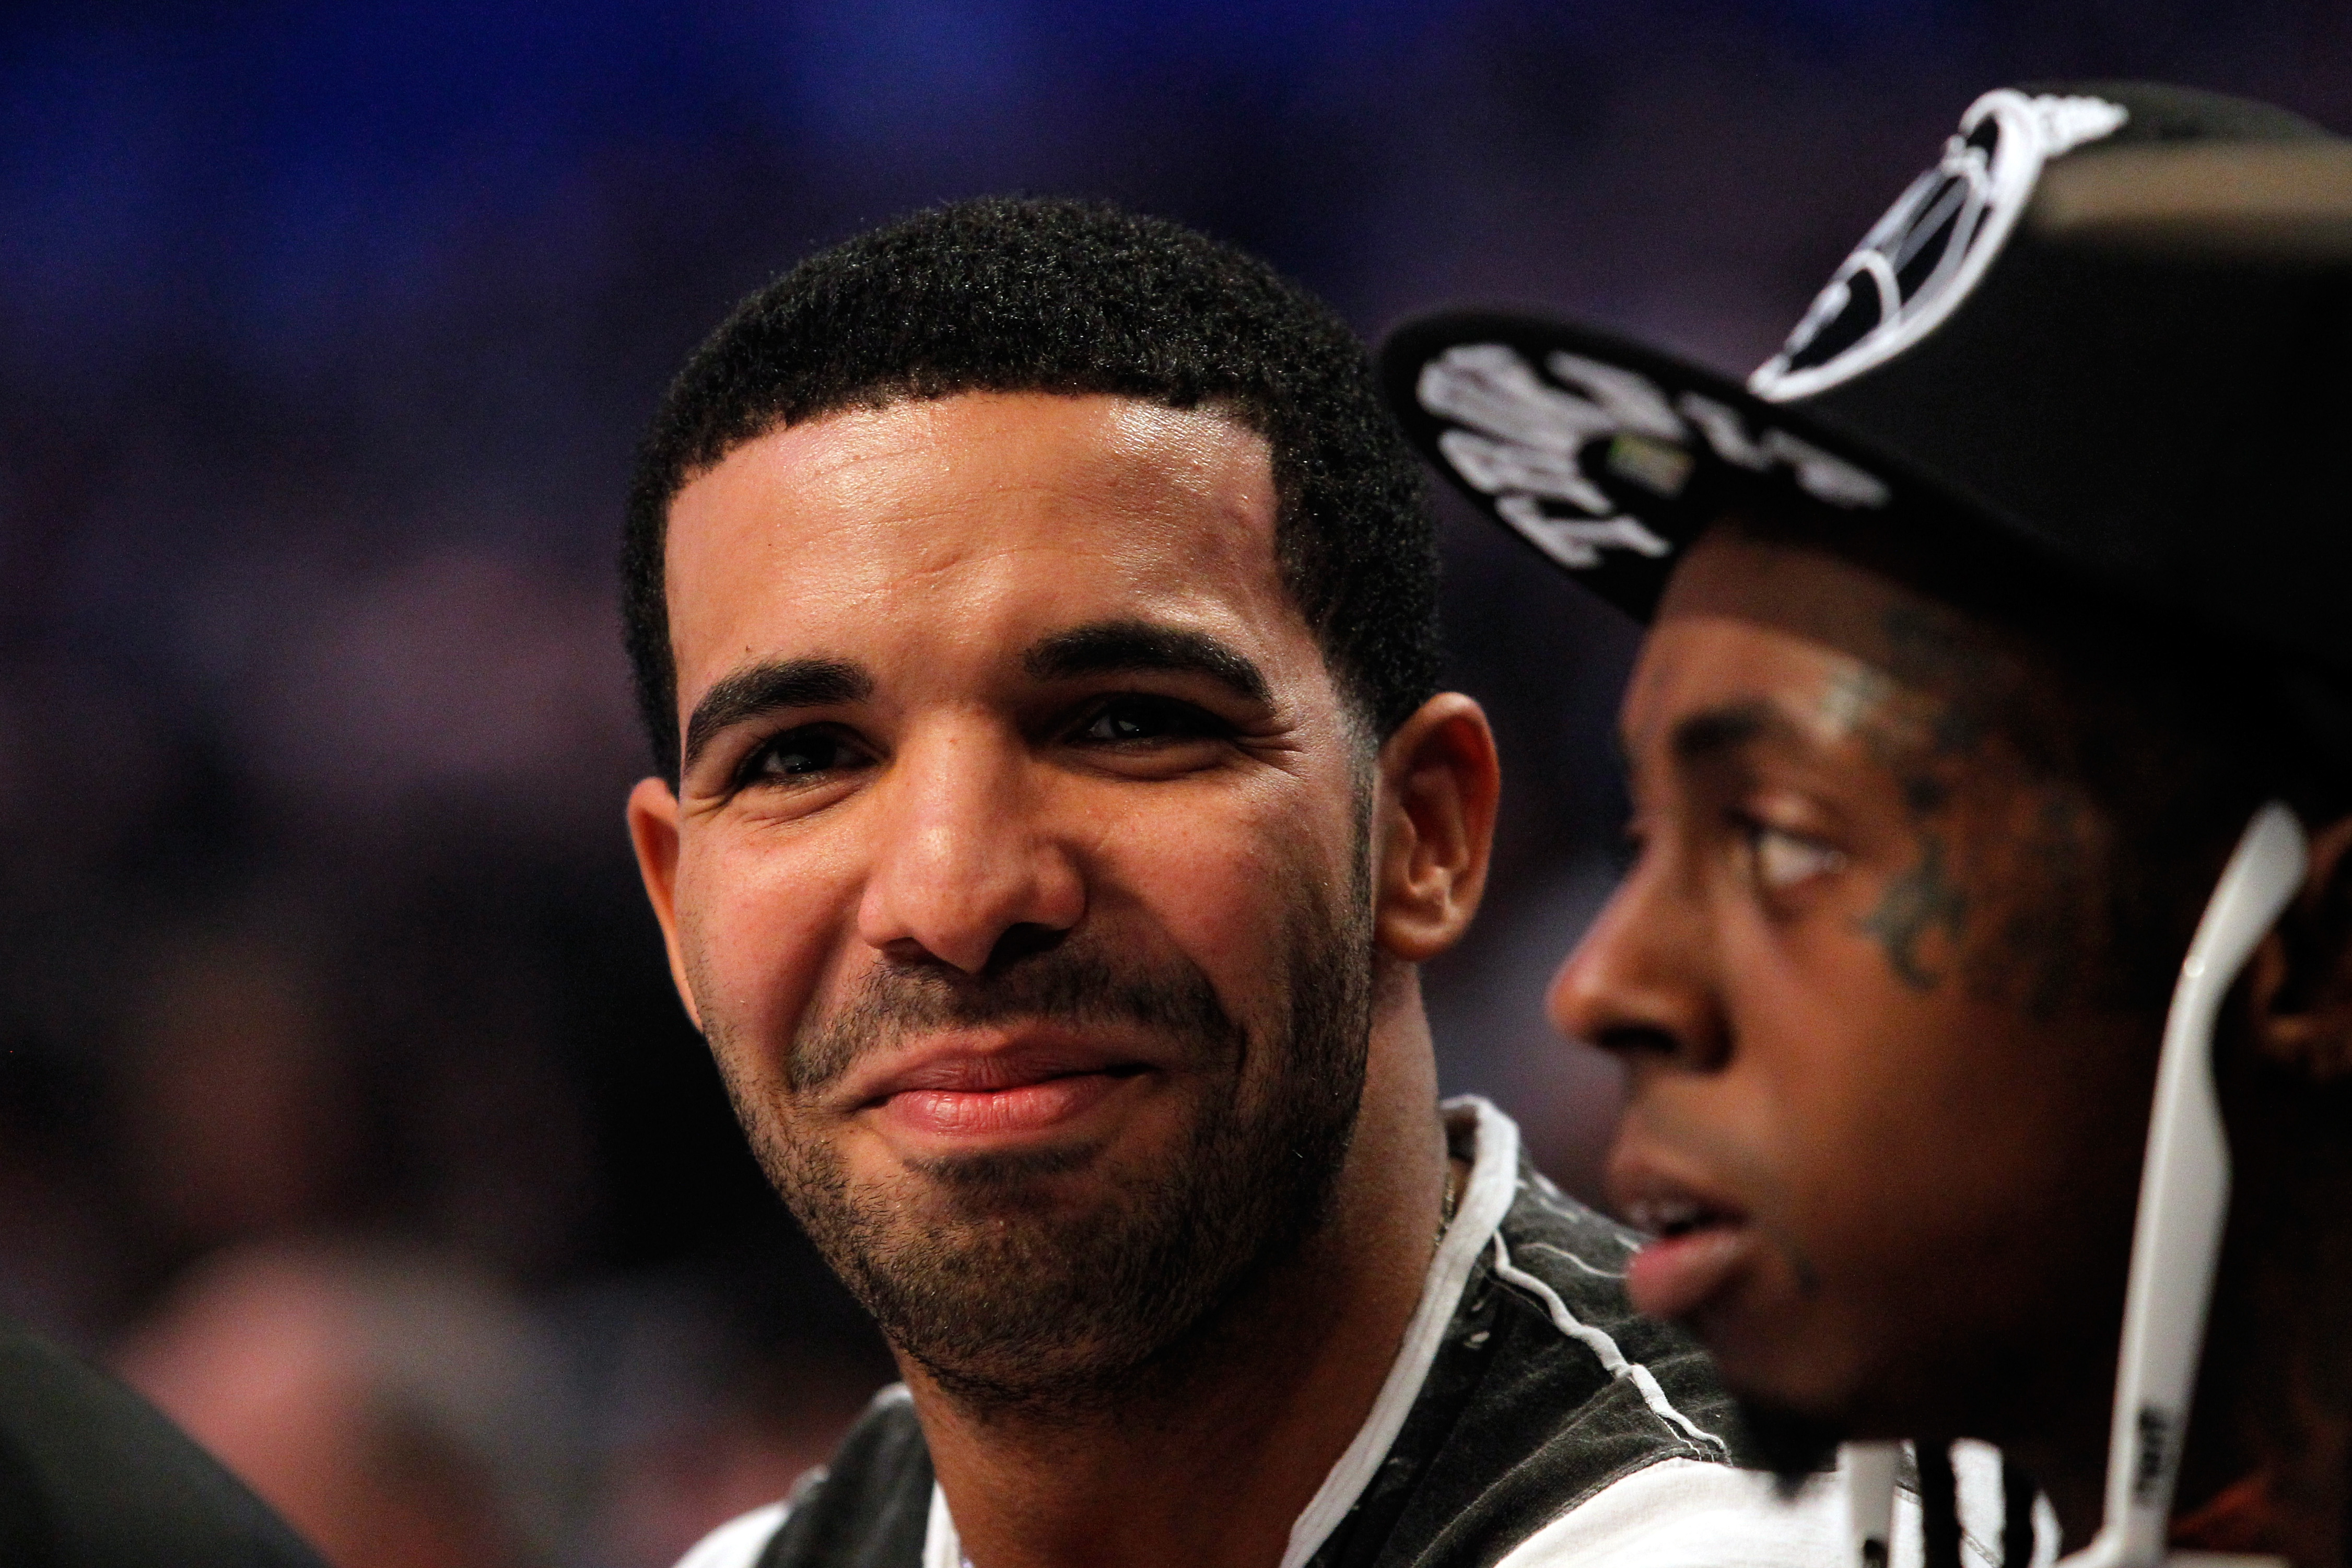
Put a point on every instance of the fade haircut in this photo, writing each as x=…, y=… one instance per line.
x=1006, y=295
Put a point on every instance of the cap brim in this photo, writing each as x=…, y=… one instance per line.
x=1608, y=459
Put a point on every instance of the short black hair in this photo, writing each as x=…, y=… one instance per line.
x=1034, y=295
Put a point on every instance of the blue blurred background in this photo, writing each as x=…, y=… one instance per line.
x=343, y=1103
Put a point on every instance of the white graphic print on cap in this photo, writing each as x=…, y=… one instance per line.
x=1525, y=440
x=1917, y=265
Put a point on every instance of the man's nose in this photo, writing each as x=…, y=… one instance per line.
x=1638, y=985
x=969, y=865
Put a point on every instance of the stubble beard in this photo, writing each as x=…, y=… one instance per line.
x=1017, y=1305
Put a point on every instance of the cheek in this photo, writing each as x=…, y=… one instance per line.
x=1222, y=880
x=1912, y=1130
x=760, y=922
x=1867, y=1102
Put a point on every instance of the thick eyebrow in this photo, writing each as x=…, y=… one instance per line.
x=766, y=689
x=1713, y=733
x=1109, y=647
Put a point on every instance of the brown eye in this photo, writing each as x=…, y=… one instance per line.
x=800, y=754
x=1133, y=720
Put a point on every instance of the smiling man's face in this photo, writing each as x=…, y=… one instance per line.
x=1017, y=871
x=1883, y=1102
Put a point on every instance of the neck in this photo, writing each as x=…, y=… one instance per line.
x=1210, y=1469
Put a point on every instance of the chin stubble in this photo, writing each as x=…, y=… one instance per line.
x=1019, y=1305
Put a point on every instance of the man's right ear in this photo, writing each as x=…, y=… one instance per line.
x=653, y=828
x=2299, y=983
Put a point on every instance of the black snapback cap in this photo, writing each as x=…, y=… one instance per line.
x=2108, y=334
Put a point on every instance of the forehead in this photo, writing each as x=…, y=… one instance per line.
x=1818, y=641
x=972, y=521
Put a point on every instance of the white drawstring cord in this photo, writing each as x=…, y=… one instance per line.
x=2184, y=1201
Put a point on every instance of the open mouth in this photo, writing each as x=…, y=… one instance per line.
x=1700, y=1249
x=1670, y=1217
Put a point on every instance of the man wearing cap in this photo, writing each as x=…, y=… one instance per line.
x=1999, y=652
x=1032, y=604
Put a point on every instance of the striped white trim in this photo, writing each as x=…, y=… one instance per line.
x=738, y=1543
x=1613, y=1360
x=1485, y=1199
x=1564, y=1256
x=1493, y=1178
x=942, y=1548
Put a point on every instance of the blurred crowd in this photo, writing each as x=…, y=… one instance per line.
x=344, y=1106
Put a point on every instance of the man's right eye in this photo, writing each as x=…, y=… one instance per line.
x=798, y=755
